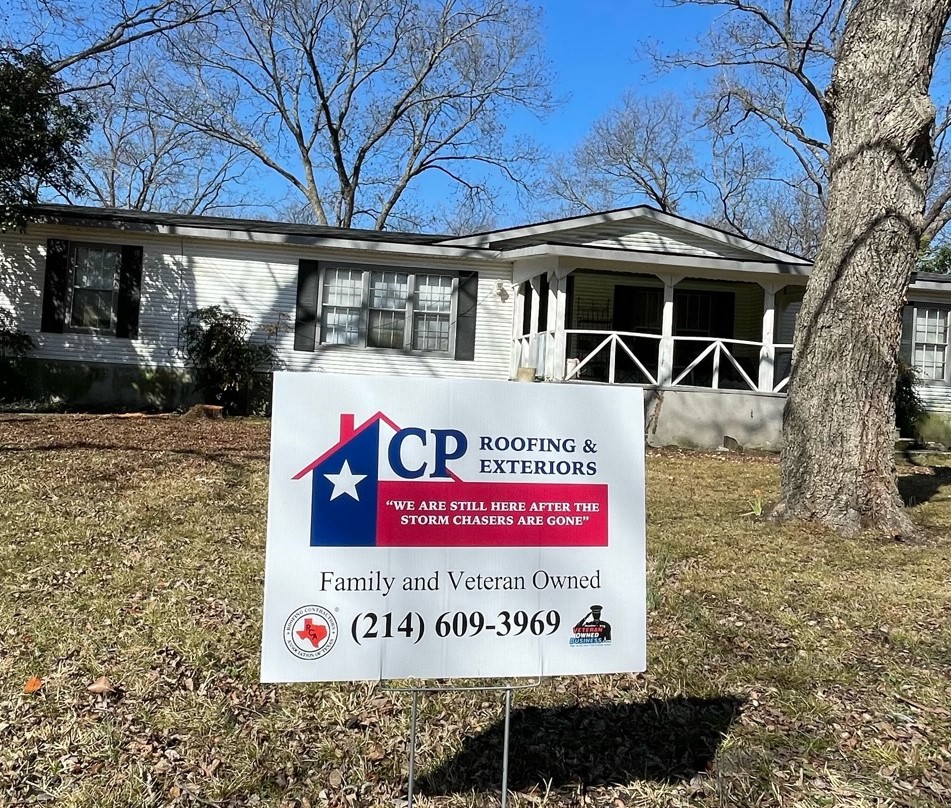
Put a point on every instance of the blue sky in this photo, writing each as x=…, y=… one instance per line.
x=593, y=50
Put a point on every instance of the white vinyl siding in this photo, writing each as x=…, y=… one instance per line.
x=936, y=398
x=655, y=237
x=259, y=281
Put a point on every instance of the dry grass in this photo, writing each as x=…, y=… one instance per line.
x=787, y=666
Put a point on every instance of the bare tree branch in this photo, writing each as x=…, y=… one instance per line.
x=352, y=101
x=137, y=159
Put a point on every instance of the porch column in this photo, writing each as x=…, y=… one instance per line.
x=517, y=320
x=557, y=317
x=665, y=363
x=767, y=353
x=535, y=285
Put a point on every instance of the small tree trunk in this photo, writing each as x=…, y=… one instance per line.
x=838, y=426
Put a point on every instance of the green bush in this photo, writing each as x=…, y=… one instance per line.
x=909, y=409
x=222, y=357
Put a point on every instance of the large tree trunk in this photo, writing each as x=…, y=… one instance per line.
x=838, y=426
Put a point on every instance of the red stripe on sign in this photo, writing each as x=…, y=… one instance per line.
x=460, y=514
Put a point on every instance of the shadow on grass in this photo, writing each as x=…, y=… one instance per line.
x=918, y=488
x=660, y=740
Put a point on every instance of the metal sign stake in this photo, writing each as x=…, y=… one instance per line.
x=412, y=747
x=414, y=724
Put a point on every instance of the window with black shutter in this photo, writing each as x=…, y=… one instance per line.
x=92, y=288
x=393, y=308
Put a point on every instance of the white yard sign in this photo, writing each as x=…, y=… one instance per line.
x=432, y=528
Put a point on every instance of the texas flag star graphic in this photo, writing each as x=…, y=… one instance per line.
x=345, y=482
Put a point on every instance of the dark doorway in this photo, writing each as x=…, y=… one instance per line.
x=638, y=309
x=701, y=313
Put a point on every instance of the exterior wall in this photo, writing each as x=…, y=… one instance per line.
x=702, y=418
x=936, y=398
x=108, y=386
x=258, y=281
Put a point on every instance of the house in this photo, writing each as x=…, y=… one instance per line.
x=701, y=318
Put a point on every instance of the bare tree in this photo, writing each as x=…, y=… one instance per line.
x=351, y=102
x=837, y=464
x=750, y=193
x=653, y=150
x=138, y=159
x=72, y=33
x=774, y=61
x=639, y=151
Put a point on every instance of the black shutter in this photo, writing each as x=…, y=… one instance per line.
x=305, y=323
x=570, y=302
x=130, y=293
x=543, y=289
x=526, y=288
x=907, y=333
x=466, y=305
x=55, y=286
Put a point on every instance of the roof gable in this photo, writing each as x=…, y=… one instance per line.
x=641, y=228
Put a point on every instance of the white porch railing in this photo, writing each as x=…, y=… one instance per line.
x=611, y=342
x=771, y=360
x=719, y=349
x=534, y=351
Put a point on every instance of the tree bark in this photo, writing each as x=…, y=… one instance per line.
x=839, y=421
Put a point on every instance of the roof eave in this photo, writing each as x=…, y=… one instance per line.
x=671, y=263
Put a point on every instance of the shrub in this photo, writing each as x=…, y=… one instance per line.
x=219, y=350
x=909, y=409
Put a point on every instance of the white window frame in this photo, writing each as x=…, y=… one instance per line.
x=410, y=309
x=917, y=308
x=74, y=247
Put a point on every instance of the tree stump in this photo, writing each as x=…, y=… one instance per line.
x=205, y=412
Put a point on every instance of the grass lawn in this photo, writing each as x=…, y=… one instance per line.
x=786, y=666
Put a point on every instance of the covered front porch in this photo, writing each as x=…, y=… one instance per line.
x=661, y=330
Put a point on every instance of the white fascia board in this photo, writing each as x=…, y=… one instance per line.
x=628, y=261
x=933, y=287
x=285, y=239
x=386, y=247
x=527, y=268
x=642, y=212
x=547, y=228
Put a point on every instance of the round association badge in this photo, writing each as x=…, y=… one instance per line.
x=310, y=632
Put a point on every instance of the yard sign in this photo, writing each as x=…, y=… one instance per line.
x=433, y=528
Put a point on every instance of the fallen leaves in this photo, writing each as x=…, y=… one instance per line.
x=101, y=686
x=33, y=684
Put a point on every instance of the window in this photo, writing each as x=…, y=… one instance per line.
x=930, y=347
x=94, y=287
x=433, y=311
x=388, y=308
x=693, y=314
